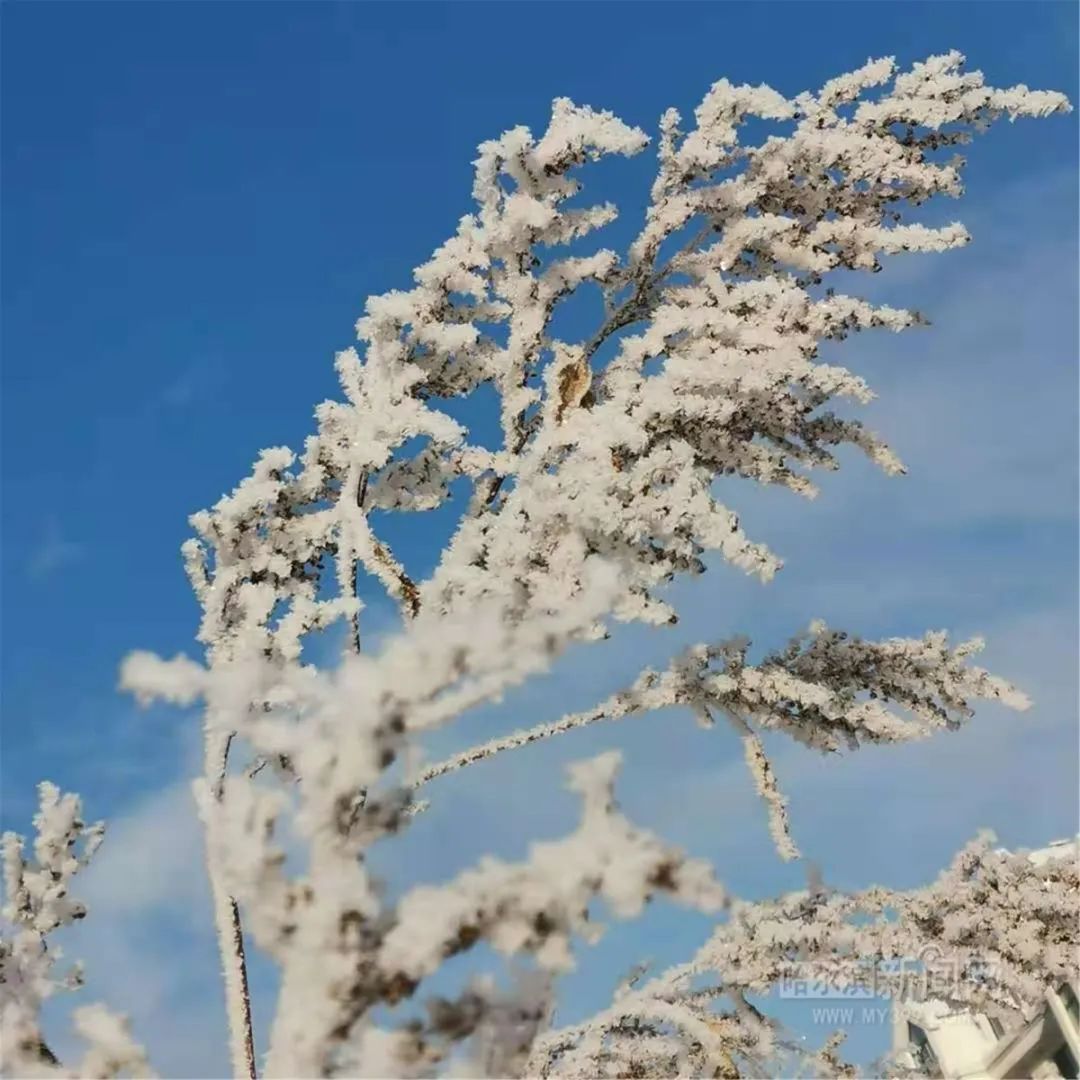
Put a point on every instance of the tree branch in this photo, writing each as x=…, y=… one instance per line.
x=614, y=708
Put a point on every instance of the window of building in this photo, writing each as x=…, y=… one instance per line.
x=920, y=1048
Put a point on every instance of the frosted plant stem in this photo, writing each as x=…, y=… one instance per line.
x=234, y=969
x=230, y=933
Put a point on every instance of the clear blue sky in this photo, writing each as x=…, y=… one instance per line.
x=196, y=200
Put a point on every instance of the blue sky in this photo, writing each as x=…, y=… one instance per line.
x=198, y=197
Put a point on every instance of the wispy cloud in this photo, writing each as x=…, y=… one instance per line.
x=191, y=385
x=53, y=553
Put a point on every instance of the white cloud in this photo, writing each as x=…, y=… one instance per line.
x=53, y=553
x=151, y=859
x=196, y=381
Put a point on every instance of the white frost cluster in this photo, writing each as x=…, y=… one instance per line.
x=37, y=901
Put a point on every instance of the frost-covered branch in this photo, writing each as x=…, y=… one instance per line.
x=538, y=906
x=827, y=689
x=38, y=901
x=990, y=934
